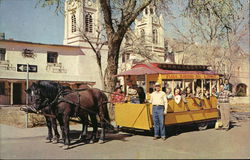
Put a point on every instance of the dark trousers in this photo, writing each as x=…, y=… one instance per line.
x=158, y=118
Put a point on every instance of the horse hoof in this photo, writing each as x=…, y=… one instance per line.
x=91, y=141
x=61, y=145
x=48, y=141
x=65, y=147
x=55, y=141
x=101, y=141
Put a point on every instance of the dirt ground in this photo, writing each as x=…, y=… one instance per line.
x=11, y=115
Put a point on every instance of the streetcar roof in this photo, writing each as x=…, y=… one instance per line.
x=165, y=68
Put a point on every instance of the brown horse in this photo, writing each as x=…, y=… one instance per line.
x=63, y=105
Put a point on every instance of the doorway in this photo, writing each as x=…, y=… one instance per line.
x=17, y=93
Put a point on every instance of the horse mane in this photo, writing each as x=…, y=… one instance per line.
x=49, y=89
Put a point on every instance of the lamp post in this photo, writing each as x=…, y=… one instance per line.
x=27, y=97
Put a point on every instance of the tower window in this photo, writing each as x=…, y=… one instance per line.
x=73, y=23
x=88, y=23
x=52, y=57
x=155, y=36
x=151, y=11
x=143, y=35
x=2, y=54
x=146, y=11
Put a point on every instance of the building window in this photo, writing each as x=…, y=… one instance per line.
x=73, y=22
x=2, y=88
x=241, y=89
x=151, y=11
x=2, y=54
x=88, y=23
x=52, y=57
x=143, y=35
x=146, y=11
x=155, y=36
x=123, y=58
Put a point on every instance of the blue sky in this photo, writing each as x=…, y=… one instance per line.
x=20, y=20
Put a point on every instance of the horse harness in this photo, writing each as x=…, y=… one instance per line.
x=60, y=98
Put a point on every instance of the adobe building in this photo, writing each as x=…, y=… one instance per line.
x=61, y=63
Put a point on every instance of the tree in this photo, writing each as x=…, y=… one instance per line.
x=118, y=16
x=96, y=46
x=212, y=30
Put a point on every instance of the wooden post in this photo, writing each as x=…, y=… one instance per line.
x=210, y=87
x=11, y=93
x=202, y=86
x=172, y=87
x=183, y=84
x=193, y=87
x=218, y=85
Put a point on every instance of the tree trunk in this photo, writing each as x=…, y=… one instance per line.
x=112, y=65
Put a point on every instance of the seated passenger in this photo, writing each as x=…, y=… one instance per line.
x=133, y=94
x=169, y=94
x=214, y=93
x=206, y=93
x=142, y=95
x=177, y=96
x=187, y=94
x=117, y=96
x=198, y=93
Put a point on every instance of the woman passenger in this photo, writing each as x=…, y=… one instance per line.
x=169, y=94
x=177, y=96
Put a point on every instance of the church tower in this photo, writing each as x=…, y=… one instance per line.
x=81, y=18
x=150, y=29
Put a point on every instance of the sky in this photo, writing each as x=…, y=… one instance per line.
x=22, y=20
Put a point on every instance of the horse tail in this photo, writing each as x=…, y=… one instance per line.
x=105, y=107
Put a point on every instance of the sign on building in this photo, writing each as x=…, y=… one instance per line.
x=23, y=68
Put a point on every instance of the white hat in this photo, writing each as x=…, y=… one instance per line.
x=157, y=84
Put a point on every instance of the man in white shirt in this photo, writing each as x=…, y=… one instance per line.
x=160, y=104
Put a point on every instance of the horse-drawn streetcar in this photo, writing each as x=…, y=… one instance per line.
x=197, y=80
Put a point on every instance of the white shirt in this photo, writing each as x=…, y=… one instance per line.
x=158, y=98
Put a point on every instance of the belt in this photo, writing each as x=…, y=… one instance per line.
x=156, y=105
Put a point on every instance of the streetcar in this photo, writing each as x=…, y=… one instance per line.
x=199, y=110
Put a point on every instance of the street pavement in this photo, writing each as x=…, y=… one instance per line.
x=22, y=143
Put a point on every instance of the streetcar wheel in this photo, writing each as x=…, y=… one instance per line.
x=202, y=126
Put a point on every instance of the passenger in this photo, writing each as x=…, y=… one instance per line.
x=221, y=81
x=189, y=93
x=133, y=94
x=183, y=95
x=206, y=93
x=169, y=94
x=117, y=96
x=177, y=96
x=214, y=93
x=227, y=86
x=199, y=96
x=142, y=95
x=198, y=93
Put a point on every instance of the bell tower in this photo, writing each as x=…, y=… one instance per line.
x=81, y=18
x=150, y=29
